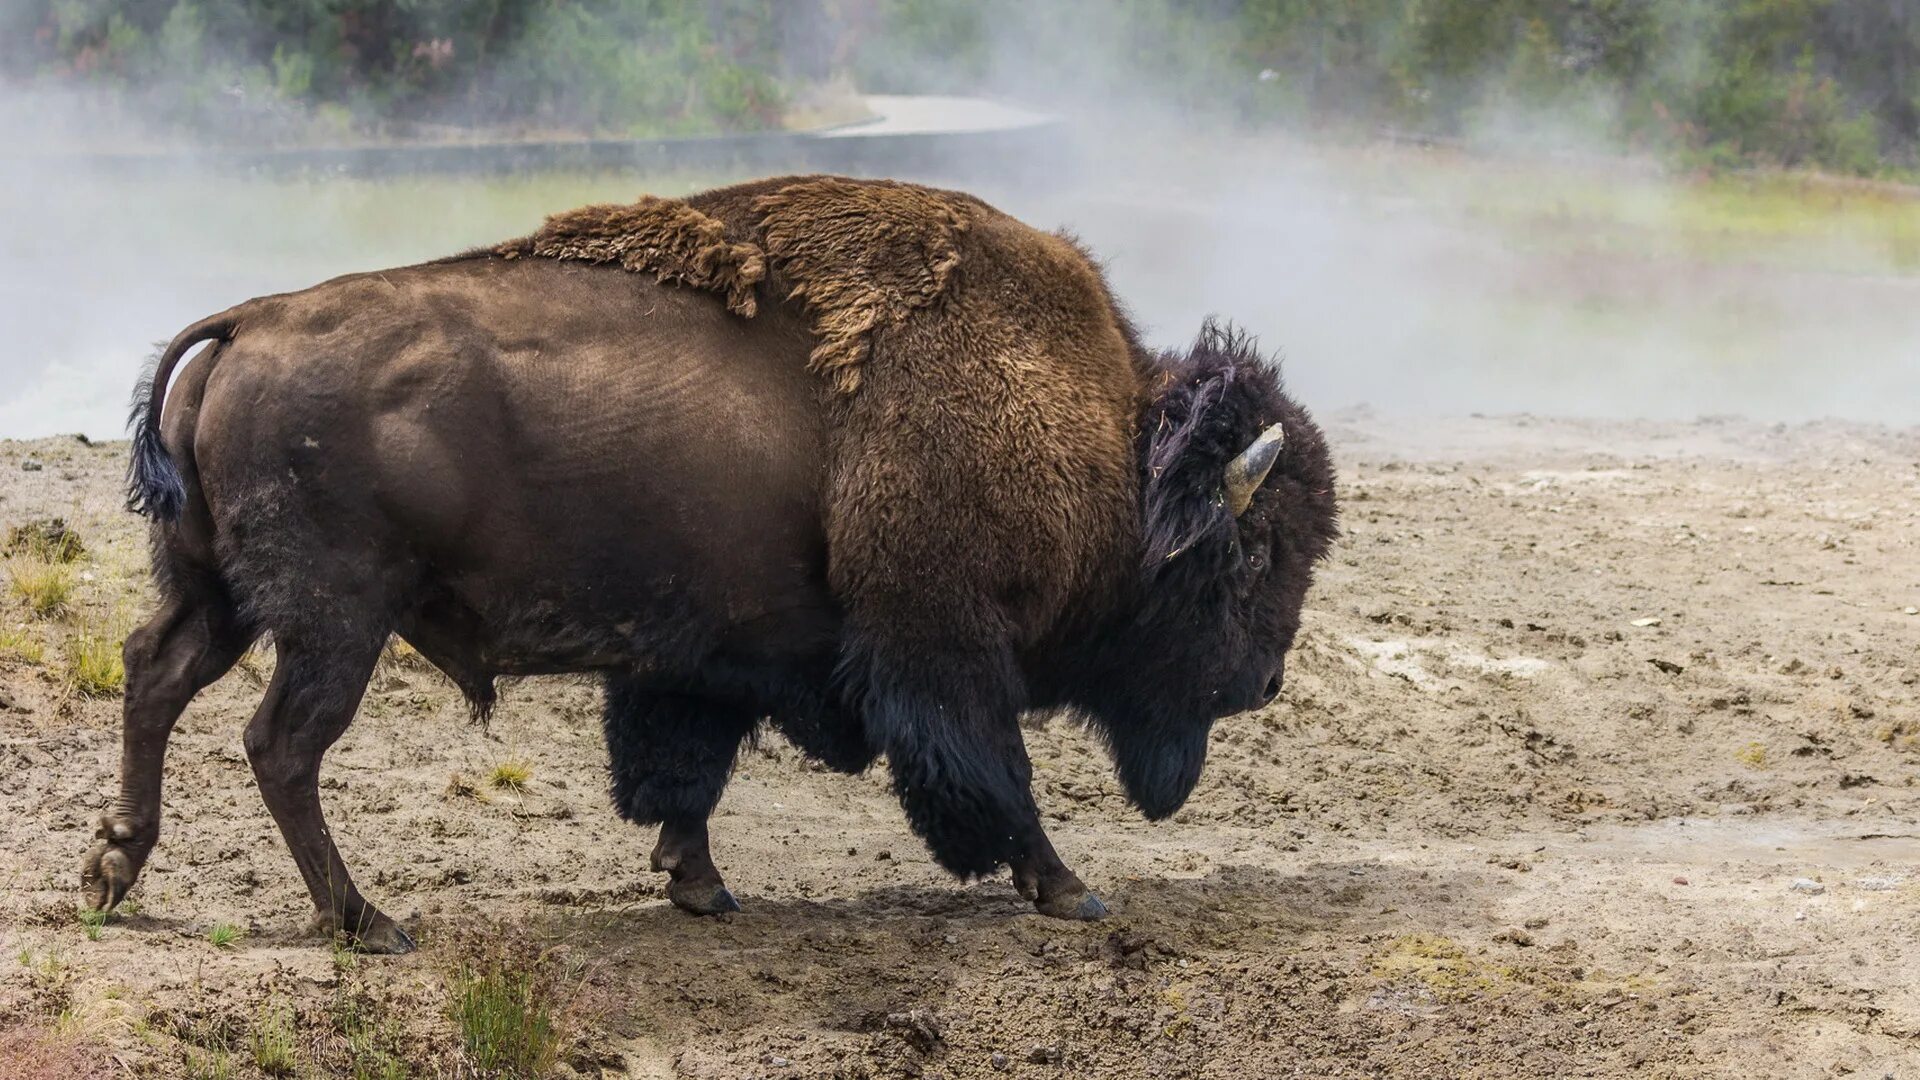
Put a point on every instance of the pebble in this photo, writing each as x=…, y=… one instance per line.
x=1808, y=886
x=1044, y=1055
x=998, y=1061
x=1651, y=620
x=1681, y=881
x=30, y=465
x=1911, y=610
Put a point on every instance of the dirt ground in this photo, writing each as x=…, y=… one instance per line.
x=1599, y=756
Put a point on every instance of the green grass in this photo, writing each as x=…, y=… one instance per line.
x=225, y=935
x=21, y=643
x=1802, y=221
x=209, y=1064
x=272, y=1040
x=93, y=665
x=91, y=922
x=44, y=586
x=506, y=1019
x=511, y=775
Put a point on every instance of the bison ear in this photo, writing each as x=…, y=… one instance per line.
x=1183, y=454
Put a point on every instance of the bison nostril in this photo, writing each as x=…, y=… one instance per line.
x=1273, y=690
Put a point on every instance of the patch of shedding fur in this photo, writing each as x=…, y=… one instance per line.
x=861, y=256
x=664, y=237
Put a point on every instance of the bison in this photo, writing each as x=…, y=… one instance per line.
x=869, y=462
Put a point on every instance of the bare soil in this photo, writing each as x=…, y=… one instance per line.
x=1599, y=756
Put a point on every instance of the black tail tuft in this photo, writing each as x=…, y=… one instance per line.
x=154, y=486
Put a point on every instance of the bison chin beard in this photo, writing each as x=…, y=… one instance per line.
x=1159, y=768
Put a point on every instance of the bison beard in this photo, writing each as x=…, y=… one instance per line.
x=870, y=462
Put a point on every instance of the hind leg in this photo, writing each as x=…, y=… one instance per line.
x=192, y=640
x=315, y=691
x=670, y=756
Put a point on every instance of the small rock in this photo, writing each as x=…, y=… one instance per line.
x=1808, y=886
x=1515, y=936
x=1877, y=884
x=1681, y=881
x=951, y=940
x=1799, y=916
x=1044, y=1055
x=1538, y=922
x=883, y=856
x=999, y=1061
x=1666, y=666
x=1651, y=620
x=30, y=465
x=1911, y=610
x=778, y=1062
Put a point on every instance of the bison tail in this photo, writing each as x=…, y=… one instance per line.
x=154, y=485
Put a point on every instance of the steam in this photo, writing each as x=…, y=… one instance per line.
x=1521, y=269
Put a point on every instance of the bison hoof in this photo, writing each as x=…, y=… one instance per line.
x=384, y=939
x=110, y=868
x=702, y=899
x=1084, y=907
x=377, y=934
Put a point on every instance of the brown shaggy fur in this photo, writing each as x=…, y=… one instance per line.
x=906, y=291
x=664, y=237
x=861, y=256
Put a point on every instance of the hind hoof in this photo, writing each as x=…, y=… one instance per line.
x=379, y=935
x=702, y=899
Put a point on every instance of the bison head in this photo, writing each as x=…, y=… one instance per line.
x=1237, y=505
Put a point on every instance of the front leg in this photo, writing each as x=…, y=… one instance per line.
x=1055, y=890
x=949, y=723
x=670, y=756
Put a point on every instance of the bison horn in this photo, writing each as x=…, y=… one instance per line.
x=1247, y=472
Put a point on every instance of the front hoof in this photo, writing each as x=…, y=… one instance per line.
x=1080, y=907
x=106, y=875
x=702, y=899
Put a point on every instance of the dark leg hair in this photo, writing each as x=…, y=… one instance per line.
x=315, y=691
x=670, y=756
x=949, y=724
x=192, y=640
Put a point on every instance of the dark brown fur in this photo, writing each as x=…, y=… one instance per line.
x=912, y=481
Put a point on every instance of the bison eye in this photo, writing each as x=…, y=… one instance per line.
x=1256, y=559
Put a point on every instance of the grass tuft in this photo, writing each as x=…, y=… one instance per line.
x=511, y=775
x=209, y=1064
x=272, y=1041
x=459, y=787
x=91, y=921
x=93, y=665
x=21, y=643
x=224, y=935
x=506, y=1007
x=44, y=586
x=36, y=1052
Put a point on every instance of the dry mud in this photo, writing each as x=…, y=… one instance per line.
x=1499, y=824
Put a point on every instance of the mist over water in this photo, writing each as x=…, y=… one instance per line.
x=1415, y=281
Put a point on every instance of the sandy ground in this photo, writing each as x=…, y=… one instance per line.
x=1501, y=823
